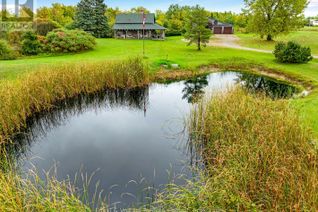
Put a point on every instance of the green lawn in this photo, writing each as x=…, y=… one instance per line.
x=307, y=37
x=175, y=50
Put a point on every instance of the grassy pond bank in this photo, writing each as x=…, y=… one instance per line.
x=127, y=132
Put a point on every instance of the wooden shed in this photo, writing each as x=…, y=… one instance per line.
x=220, y=28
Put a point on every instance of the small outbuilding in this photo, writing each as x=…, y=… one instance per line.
x=138, y=26
x=313, y=22
x=220, y=28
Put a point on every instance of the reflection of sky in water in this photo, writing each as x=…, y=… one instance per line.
x=121, y=141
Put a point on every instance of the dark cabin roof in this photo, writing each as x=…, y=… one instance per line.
x=134, y=21
x=134, y=18
x=215, y=22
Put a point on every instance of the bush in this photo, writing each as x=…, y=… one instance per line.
x=6, y=53
x=3, y=34
x=292, y=52
x=15, y=38
x=69, y=41
x=30, y=44
x=43, y=26
x=171, y=33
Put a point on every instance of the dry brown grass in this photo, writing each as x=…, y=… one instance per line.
x=177, y=75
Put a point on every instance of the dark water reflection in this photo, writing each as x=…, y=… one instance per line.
x=194, y=88
x=42, y=123
x=269, y=86
x=134, y=138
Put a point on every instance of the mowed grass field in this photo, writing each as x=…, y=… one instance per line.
x=173, y=49
x=176, y=51
x=307, y=37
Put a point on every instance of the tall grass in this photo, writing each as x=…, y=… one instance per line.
x=39, y=90
x=257, y=156
x=18, y=194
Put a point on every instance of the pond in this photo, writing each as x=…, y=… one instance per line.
x=131, y=140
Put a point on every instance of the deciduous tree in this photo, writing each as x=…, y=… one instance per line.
x=238, y=20
x=176, y=18
x=139, y=10
x=111, y=14
x=273, y=17
x=160, y=17
x=59, y=13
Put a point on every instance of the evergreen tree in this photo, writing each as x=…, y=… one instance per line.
x=90, y=17
x=196, y=27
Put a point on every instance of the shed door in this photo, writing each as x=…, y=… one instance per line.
x=228, y=30
x=217, y=30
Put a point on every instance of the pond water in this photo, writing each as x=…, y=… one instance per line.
x=131, y=139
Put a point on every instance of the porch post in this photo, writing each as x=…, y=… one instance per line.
x=163, y=34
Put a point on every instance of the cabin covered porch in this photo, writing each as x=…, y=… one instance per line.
x=152, y=34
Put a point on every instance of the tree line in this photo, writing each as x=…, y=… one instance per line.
x=174, y=19
x=268, y=18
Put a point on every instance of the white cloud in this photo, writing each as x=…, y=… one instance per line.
x=9, y=7
x=314, y=2
x=312, y=9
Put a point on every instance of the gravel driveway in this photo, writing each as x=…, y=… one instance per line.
x=231, y=41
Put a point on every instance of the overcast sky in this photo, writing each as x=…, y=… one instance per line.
x=212, y=5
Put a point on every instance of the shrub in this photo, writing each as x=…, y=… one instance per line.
x=292, y=52
x=3, y=34
x=173, y=33
x=44, y=26
x=41, y=39
x=15, y=38
x=6, y=53
x=30, y=44
x=69, y=41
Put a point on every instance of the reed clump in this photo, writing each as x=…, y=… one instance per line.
x=18, y=194
x=40, y=89
x=257, y=156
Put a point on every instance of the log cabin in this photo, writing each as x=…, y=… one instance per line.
x=130, y=26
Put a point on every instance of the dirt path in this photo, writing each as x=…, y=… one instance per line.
x=232, y=41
